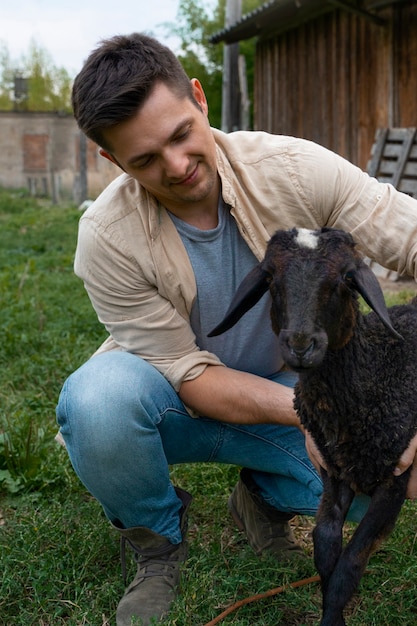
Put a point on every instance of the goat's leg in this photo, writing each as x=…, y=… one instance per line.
x=327, y=534
x=376, y=525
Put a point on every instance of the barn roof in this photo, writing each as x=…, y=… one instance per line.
x=278, y=16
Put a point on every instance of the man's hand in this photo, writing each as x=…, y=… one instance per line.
x=313, y=452
x=409, y=457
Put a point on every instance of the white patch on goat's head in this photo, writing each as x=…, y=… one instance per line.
x=307, y=238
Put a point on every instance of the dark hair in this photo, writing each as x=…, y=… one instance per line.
x=118, y=77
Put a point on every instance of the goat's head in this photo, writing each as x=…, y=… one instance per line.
x=313, y=278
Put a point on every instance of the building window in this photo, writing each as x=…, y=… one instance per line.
x=35, y=153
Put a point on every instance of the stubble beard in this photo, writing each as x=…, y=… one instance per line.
x=201, y=192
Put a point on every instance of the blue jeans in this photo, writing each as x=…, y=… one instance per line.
x=124, y=424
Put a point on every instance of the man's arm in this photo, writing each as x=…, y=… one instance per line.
x=233, y=396
x=239, y=397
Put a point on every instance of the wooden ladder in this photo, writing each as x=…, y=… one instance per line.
x=394, y=160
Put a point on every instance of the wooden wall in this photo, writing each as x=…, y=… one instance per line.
x=337, y=79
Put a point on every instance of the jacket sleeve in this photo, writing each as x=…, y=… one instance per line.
x=288, y=181
x=128, y=303
x=382, y=220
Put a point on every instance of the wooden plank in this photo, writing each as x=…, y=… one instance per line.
x=397, y=134
x=402, y=161
x=386, y=169
x=392, y=150
x=394, y=158
x=312, y=81
x=408, y=186
x=411, y=170
x=377, y=150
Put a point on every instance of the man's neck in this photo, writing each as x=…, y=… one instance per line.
x=203, y=216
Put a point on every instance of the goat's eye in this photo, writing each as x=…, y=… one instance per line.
x=348, y=277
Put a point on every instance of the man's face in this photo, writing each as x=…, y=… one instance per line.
x=169, y=149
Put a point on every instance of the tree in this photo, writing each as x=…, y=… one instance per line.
x=49, y=87
x=6, y=79
x=194, y=26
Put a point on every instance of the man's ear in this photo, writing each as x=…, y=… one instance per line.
x=199, y=95
x=109, y=157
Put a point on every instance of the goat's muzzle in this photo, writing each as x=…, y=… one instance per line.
x=302, y=351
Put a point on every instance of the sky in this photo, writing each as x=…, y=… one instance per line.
x=68, y=31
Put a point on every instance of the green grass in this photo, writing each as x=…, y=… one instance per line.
x=47, y=329
x=58, y=556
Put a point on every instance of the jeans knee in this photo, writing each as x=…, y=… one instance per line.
x=98, y=399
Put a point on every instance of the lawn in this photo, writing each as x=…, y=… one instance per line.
x=59, y=557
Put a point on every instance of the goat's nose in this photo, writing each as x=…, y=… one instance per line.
x=298, y=343
x=301, y=349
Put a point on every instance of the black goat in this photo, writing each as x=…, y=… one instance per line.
x=356, y=394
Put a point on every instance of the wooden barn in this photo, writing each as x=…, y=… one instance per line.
x=332, y=71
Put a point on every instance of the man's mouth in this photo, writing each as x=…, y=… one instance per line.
x=190, y=179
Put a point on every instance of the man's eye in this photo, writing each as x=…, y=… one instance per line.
x=143, y=163
x=182, y=136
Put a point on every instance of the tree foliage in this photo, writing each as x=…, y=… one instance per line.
x=196, y=22
x=6, y=78
x=48, y=86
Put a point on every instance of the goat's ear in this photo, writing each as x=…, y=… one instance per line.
x=249, y=292
x=366, y=283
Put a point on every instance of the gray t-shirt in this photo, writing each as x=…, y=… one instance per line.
x=221, y=259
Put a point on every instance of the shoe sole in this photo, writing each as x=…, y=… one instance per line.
x=233, y=512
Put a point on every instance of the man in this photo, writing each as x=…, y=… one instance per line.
x=161, y=252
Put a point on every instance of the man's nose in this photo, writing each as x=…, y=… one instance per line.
x=176, y=163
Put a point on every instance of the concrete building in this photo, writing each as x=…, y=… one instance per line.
x=46, y=153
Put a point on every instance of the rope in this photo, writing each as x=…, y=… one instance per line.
x=262, y=596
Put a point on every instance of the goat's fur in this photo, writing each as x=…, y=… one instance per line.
x=356, y=394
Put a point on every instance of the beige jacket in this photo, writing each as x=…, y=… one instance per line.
x=136, y=270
